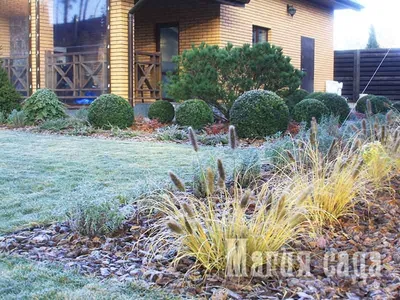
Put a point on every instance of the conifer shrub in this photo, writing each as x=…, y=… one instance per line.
x=43, y=105
x=259, y=113
x=10, y=99
x=109, y=111
x=220, y=75
x=162, y=110
x=194, y=113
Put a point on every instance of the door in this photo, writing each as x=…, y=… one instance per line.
x=168, y=46
x=308, y=63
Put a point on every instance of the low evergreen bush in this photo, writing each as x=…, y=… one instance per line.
x=9, y=97
x=110, y=110
x=336, y=104
x=259, y=113
x=162, y=110
x=195, y=113
x=306, y=109
x=17, y=118
x=379, y=104
x=43, y=105
x=294, y=98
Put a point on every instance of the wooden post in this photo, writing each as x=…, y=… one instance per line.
x=356, y=75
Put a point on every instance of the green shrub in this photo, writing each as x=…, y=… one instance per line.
x=195, y=113
x=306, y=109
x=162, y=110
x=337, y=105
x=82, y=114
x=93, y=218
x=220, y=75
x=61, y=124
x=110, y=110
x=294, y=98
x=258, y=113
x=396, y=106
x=171, y=133
x=9, y=97
x=314, y=95
x=3, y=118
x=17, y=118
x=43, y=105
x=213, y=139
x=379, y=104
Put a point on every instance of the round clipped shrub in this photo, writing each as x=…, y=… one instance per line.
x=162, y=110
x=314, y=95
x=306, y=109
x=259, y=113
x=195, y=113
x=336, y=104
x=110, y=110
x=294, y=98
x=379, y=104
x=43, y=105
x=9, y=97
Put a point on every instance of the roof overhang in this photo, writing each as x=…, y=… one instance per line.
x=339, y=4
x=335, y=4
x=241, y=3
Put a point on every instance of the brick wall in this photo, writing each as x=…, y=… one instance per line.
x=310, y=21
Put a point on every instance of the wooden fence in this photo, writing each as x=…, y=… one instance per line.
x=17, y=69
x=355, y=68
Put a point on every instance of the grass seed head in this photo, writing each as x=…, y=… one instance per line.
x=193, y=139
x=245, y=199
x=174, y=227
x=188, y=227
x=364, y=127
x=176, y=181
x=369, y=107
x=210, y=181
x=232, y=137
x=221, y=174
x=188, y=209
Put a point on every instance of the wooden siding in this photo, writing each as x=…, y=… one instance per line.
x=4, y=37
x=119, y=55
x=46, y=36
x=285, y=31
x=198, y=22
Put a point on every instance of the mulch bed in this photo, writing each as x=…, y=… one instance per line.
x=124, y=257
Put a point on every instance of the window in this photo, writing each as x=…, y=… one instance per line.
x=260, y=35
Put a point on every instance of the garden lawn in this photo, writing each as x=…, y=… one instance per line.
x=42, y=176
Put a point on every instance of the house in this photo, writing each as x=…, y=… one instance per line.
x=83, y=48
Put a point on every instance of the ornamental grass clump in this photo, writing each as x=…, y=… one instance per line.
x=266, y=218
x=265, y=221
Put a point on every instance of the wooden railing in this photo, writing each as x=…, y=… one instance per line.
x=147, y=76
x=77, y=78
x=17, y=69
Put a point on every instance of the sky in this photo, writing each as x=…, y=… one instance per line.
x=352, y=27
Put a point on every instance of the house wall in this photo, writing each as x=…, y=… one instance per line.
x=198, y=22
x=119, y=55
x=309, y=21
x=4, y=36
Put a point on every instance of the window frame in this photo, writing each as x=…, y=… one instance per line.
x=256, y=28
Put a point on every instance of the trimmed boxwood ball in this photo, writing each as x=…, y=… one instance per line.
x=195, y=113
x=110, y=110
x=336, y=104
x=294, y=98
x=162, y=110
x=396, y=106
x=306, y=109
x=314, y=95
x=259, y=113
x=379, y=104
